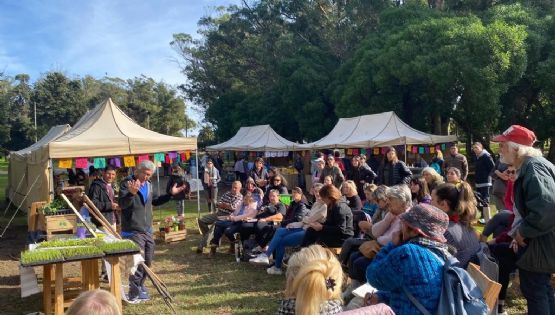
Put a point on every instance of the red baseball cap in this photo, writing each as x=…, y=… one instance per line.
x=517, y=134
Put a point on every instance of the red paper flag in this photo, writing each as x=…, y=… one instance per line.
x=81, y=163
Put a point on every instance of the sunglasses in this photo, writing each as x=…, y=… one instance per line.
x=511, y=172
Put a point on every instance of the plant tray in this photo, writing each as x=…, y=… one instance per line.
x=58, y=212
x=43, y=263
x=122, y=252
x=82, y=257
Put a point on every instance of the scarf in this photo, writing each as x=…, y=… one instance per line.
x=431, y=245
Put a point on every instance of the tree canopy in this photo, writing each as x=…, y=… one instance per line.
x=470, y=66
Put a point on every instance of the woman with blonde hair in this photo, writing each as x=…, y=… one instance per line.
x=349, y=190
x=96, y=302
x=314, y=280
x=432, y=177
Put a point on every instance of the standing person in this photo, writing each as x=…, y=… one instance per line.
x=437, y=162
x=499, y=188
x=178, y=177
x=210, y=181
x=484, y=167
x=317, y=172
x=102, y=195
x=361, y=174
x=534, y=203
x=259, y=173
x=394, y=171
x=455, y=159
x=239, y=168
x=299, y=166
x=332, y=170
x=314, y=163
x=136, y=199
x=420, y=162
x=339, y=161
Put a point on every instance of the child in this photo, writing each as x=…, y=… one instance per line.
x=370, y=205
x=178, y=177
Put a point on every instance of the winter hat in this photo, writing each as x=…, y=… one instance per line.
x=428, y=220
x=517, y=134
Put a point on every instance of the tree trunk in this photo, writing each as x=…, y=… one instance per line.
x=437, y=124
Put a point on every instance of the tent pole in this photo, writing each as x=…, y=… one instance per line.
x=198, y=188
x=158, y=178
x=405, y=151
x=51, y=180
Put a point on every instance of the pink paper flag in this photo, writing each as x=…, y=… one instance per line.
x=82, y=163
x=355, y=152
x=414, y=149
x=141, y=158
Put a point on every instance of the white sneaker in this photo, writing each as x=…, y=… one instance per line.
x=274, y=271
x=260, y=259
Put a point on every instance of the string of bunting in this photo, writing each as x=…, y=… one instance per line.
x=125, y=161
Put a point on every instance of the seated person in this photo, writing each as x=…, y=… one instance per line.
x=95, y=302
x=339, y=221
x=257, y=193
x=370, y=205
x=276, y=183
x=295, y=213
x=419, y=190
x=229, y=202
x=273, y=211
x=410, y=262
x=313, y=286
x=349, y=191
x=460, y=205
x=399, y=201
x=231, y=225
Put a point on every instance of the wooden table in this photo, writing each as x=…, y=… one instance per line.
x=89, y=281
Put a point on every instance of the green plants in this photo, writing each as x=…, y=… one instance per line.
x=119, y=247
x=41, y=257
x=55, y=207
x=81, y=252
x=68, y=243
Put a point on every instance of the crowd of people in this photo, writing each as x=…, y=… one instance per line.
x=387, y=224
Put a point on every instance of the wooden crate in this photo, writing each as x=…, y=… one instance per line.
x=172, y=236
x=60, y=223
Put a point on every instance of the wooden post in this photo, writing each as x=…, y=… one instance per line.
x=46, y=289
x=59, y=290
x=115, y=284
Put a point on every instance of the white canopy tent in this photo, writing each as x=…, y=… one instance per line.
x=377, y=130
x=103, y=131
x=21, y=169
x=256, y=138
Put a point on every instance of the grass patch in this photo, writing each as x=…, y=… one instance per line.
x=78, y=251
x=119, y=246
x=32, y=257
x=68, y=243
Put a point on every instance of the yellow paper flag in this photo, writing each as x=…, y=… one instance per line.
x=129, y=161
x=349, y=151
x=432, y=150
x=65, y=163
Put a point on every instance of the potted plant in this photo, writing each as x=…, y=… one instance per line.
x=181, y=223
x=171, y=224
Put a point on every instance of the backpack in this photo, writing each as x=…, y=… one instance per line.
x=436, y=167
x=459, y=293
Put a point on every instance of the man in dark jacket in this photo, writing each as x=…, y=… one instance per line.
x=331, y=169
x=455, y=159
x=136, y=199
x=102, y=195
x=534, y=226
x=361, y=174
x=484, y=167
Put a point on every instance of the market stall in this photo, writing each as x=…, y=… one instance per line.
x=103, y=135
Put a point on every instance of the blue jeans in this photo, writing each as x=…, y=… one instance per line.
x=536, y=288
x=284, y=237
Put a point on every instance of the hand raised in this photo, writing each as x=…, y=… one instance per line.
x=176, y=190
x=133, y=186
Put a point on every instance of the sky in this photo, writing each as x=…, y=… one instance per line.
x=113, y=38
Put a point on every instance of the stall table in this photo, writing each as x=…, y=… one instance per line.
x=89, y=280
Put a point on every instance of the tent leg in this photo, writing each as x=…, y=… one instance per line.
x=198, y=188
x=405, y=151
x=51, y=180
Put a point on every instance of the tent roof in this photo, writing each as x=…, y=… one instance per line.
x=52, y=134
x=106, y=130
x=256, y=138
x=368, y=131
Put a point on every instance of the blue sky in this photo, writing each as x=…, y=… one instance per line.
x=97, y=37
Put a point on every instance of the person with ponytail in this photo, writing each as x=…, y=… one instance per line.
x=459, y=203
x=314, y=280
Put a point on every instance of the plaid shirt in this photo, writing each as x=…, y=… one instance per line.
x=234, y=200
x=287, y=307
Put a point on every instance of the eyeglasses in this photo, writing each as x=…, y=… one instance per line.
x=277, y=180
x=511, y=172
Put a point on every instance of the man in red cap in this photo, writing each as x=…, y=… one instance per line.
x=534, y=225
